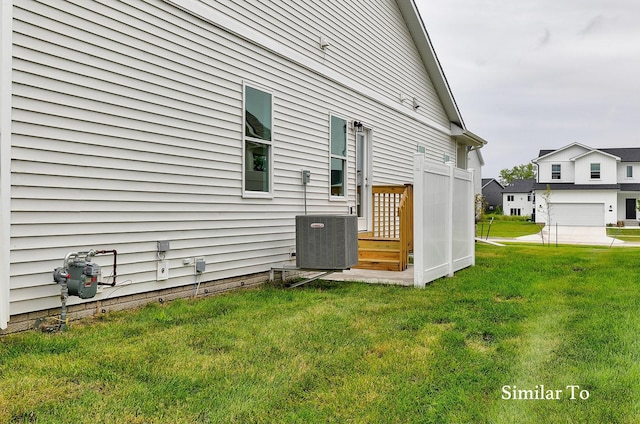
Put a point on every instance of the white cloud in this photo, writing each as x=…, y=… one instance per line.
x=537, y=74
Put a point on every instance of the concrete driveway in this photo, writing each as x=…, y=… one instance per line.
x=572, y=235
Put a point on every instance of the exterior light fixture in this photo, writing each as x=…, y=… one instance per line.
x=610, y=208
x=413, y=100
x=357, y=125
x=324, y=42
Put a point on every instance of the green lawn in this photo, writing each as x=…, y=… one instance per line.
x=524, y=316
x=625, y=234
x=506, y=227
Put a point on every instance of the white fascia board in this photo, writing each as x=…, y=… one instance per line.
x=600, y=152
x=248, y=34
x=6, y=43
x=560, y=150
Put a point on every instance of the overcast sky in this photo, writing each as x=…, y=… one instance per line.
x=540, y=74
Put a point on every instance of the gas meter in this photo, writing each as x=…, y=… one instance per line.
x=79, y=275
x=83, y=281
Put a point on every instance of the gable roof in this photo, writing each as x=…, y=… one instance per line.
x=625, y=154
x=425, y=48
x=487, y=181
x=520, y=186
x=544, y=153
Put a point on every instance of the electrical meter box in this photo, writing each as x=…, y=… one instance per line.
x=84, y=277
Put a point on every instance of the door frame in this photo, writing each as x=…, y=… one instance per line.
x=364, y=177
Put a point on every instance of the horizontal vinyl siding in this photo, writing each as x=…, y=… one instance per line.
x=127, y=130
x=370, y=42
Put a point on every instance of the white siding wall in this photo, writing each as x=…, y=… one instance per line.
x=564, y=158
x=608, y=169
x=567, y=171
x=127, y=129
x=622, y=173
x=520, y=201
x=359, y=34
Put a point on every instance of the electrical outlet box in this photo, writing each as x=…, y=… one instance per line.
x=163, y=270
x=201, y=265
x=306, y=177
x=163, y=246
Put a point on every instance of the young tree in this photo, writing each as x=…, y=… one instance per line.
x=519, y=172
x=480, y=206
x=546, y=199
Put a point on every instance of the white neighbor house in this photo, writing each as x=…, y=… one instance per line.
x=130, y=122
x=518, y=198
x=588, y=187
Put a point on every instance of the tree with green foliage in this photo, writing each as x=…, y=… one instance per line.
x=519, y=172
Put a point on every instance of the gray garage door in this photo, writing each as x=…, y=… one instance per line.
x=578, y=214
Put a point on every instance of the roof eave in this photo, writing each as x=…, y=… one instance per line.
x=423, y=43
x=466, y=137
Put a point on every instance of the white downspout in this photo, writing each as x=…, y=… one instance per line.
x=6, y=43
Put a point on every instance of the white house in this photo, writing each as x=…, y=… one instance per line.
x=518, y=198
x=127, y=123
x=581, y=185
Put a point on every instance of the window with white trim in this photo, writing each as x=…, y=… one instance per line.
x=258, y=124
x=629, y=171
x=338, y=159
x=556, y=171
x=595, y=171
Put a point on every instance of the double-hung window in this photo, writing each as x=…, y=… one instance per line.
x=595, y=171
x=338, y=159
x=258, y=124
x=629, y=171
x=556, y=171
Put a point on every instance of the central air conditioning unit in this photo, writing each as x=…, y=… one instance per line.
x=326, y=241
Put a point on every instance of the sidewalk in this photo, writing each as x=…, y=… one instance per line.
x=594, y=236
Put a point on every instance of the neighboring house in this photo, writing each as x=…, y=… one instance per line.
x=492, y=192
x=127, y=123
x=518, y=198
x=588, y=186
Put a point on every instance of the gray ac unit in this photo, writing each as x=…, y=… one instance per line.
x=326, y=241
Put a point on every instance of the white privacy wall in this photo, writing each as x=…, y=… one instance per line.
x=443, y=220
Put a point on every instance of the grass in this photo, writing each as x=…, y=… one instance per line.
x=348, y=352
x=506, y=226
x=625, y=234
